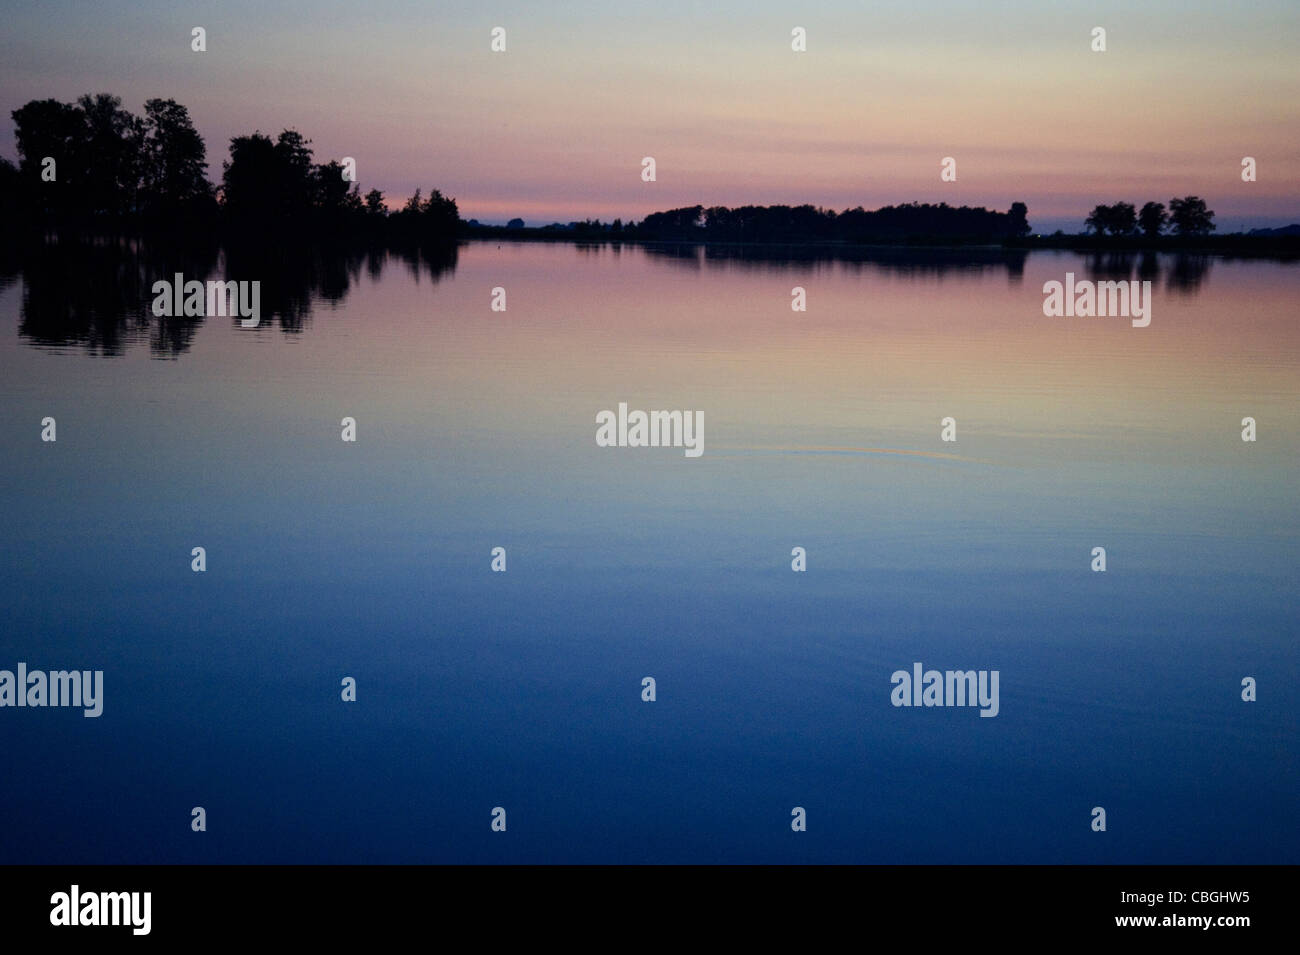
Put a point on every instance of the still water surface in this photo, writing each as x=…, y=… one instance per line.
x=476, y=429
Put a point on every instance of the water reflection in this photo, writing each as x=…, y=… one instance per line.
x=330, y=558
x=97, y=294
x=1184, y=273
x=901, y=260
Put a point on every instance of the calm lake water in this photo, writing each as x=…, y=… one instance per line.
x=476, y=429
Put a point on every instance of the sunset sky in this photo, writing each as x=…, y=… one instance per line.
x=555, y=128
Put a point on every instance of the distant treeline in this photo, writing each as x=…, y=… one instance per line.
x=918, y=223
x=96, y=166
x=92, y=165
x=910, y=222
x=1185, y=217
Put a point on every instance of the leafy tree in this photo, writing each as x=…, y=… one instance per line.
x=97, y=151
x=1119, y=219
x=1153, y=218
x=810, y=223
x=248, y=177
x=336, y=198
x=1189, y=216
x=440, y=215
x=1019, y=213
x=1123, y=219
x=674, y=223
x=1098, y=219
x=49, y=128
x=297, y=175
x=269, y=183
x=435, y=217
x=174, y=162
x=111, y=155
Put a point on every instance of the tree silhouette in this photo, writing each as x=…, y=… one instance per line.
x=111, y=155
x=433, y=218
x=296, y=174
x=114, y=169
x=12, y=206
x=1123, y=218
x=249, y=179
x=1098, y=219
x=174, y=180
x=806, y=223
x=1019, y=214
x=337, y=200
x=1153, y=218
x=48, y=128
x=1119, y=219
x=269, y=184
x=1189, y=216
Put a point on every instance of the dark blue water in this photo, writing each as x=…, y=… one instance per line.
x=523, y=689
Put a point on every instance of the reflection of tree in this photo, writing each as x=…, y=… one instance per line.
x=908, y=261
x=1184, y=272
x=435, y=259
x=172, y=335
x=292, y=276
x=99, y=294
x=1188, y=273
x=687, y=254
x=1112, y=264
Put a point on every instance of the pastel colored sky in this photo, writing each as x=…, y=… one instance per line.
x=555, y=127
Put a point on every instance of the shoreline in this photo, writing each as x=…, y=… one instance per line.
x=1232, y=244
